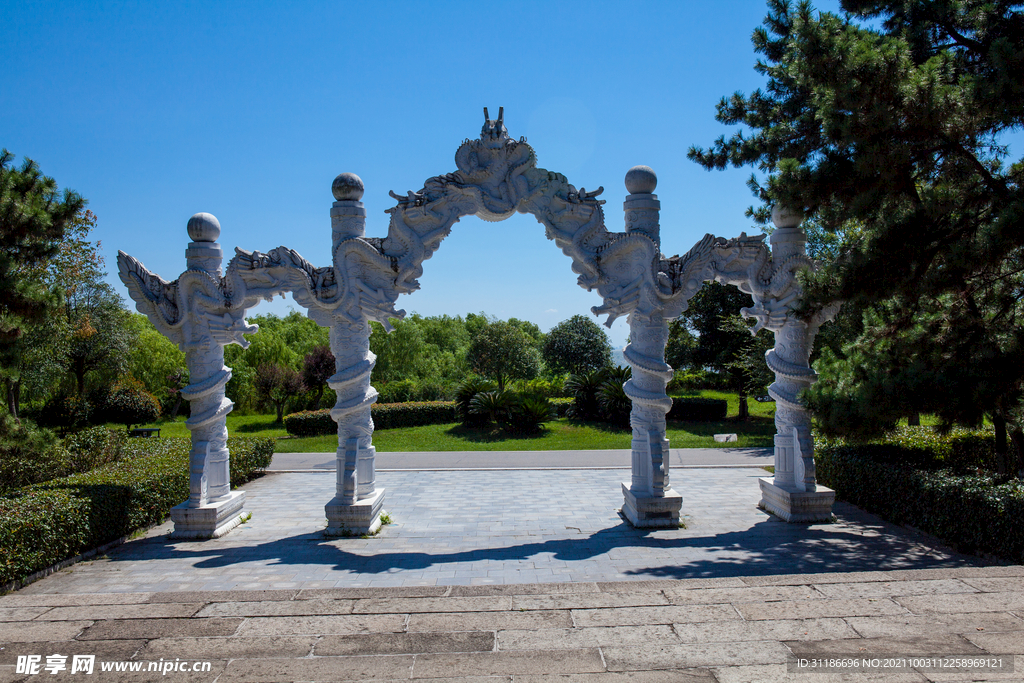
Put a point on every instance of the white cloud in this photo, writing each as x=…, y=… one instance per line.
x=551, y=310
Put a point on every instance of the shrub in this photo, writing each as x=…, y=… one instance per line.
x=896, y=479
x=385, y=416
x=29, y=455
x=129, y=403
x=310, y=423
x=495, y=406
x=399, y=391
x=584, y=389
x=698, y=409
x=530, y=413
x=615, y=404
x=562, y=406
x=414, y=414
x=43, y=524
x=467, y=390
x=66, y=412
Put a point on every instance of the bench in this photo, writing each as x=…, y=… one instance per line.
x=145, y=433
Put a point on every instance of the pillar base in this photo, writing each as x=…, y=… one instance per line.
x=647, y=511
x=797, y=506
x=209, y=521
x=354, y=520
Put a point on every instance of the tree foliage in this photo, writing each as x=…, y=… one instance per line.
x=317, y=368
x=576, y=346
x=885, y=125
x=33, y=216
x=503, y=352
x=712, y=335
x=275, y=384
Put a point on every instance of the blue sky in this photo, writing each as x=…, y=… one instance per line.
x=156, y=111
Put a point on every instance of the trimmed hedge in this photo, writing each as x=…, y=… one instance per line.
x=43, y=524
x=698, y=409
x=973, y=513
x=385, y=416
x=29, y=456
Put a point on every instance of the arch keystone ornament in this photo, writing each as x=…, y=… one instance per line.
x=496, y=176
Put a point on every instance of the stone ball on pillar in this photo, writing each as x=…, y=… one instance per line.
x=641, y=180
x=786, y=217
x=347, y=187
x=204, y=227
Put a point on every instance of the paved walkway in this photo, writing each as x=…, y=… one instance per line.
x=521, y=575
x=529, y=460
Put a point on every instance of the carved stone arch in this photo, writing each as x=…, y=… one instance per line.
x=496, y=176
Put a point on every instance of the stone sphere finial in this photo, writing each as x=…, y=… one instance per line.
x=786, y=217
x=204, y=227
x=347, y=186
x=641, y=180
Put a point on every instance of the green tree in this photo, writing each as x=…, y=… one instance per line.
x=890, y=117
x=101, y=332
x=154, y=360
x=711, y=335
x=33, y=218
x=576, y=346
x=503, y=352
x=275, y=384
x=399, y=353
x=317, y=368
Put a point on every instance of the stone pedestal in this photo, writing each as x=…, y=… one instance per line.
x=797, y=506
x=354, y=519
x=208, y=521
x=650, y=511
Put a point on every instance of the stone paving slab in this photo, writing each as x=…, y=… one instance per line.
x=732, y=597
x=475, y=528
x=721, y=634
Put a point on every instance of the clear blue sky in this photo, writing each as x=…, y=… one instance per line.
x=156, y=111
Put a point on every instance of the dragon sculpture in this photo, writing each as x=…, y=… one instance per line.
x=495, y=177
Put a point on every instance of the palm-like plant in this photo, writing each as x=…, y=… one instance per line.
x=584, y=388
x=496, y=405
x=614, y=403
x=531, y=413
x=467, y=391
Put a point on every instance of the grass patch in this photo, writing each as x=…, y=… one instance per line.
x=560, y=434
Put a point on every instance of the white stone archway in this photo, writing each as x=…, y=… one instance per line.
x=496, y=177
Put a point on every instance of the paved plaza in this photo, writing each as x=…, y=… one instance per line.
x=500, y=527
x=522, y=576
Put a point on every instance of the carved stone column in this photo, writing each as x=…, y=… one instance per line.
x=648, y=499
x=357, y=505
x=793, y=493
x=213, y=508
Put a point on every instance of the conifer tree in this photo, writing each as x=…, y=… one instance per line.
x=890, y=117
x=33, y=215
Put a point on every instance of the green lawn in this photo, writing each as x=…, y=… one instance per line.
x=561, y=434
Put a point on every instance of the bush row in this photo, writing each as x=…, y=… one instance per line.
x=974, y=513
x=43, y=524
x=31, y=456
x=385, y=416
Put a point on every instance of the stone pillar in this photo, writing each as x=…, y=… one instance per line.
x=212, y=508
x=793, y=493
x=357, y=505
x=648, y=499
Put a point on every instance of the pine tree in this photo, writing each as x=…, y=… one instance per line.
x=33, y=218
x=889, y=118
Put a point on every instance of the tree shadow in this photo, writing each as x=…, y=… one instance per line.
x=768, y=547
x=257, y=427
x=491, y=434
